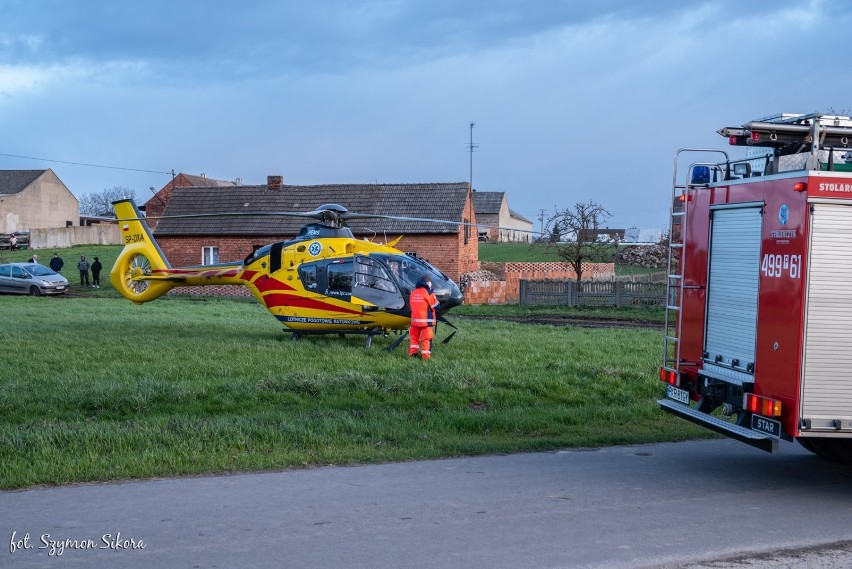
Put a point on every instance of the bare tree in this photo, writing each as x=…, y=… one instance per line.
x=575, y=238
x=100, y=203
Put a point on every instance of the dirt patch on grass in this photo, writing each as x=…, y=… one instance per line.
x=583, y=321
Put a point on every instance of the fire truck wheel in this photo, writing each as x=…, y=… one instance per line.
x=835, y=450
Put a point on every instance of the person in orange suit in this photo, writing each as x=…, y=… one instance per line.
x=424, y=306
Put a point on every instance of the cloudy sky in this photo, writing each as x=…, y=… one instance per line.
x=572, y=100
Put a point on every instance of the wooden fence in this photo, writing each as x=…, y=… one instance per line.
x=593, y=293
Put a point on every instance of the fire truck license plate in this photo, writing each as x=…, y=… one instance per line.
x=766, y=426
x=677, y=394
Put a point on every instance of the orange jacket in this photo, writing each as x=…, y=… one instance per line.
x=423, y=304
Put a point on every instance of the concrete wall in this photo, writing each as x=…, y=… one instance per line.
x=44, y=203
x=62, y=237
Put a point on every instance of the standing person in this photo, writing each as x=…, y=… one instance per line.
x=83, y=267
x=13, y=242
x=423, y=306
x=56, y=263
x=33, y=259
x=96, y=273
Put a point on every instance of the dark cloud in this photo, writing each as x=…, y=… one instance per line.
x=189, y=40
x=572, y=100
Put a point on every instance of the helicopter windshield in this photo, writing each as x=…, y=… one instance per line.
x=408, y=270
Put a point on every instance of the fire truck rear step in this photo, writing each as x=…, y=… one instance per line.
x=726, y=374
x=753, y=438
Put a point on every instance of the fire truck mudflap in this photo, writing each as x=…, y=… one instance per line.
x=758, y=331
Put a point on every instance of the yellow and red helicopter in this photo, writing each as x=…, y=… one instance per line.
x=324, y=281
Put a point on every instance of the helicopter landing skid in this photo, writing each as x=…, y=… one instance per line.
x=297, y=334
x=397, y=342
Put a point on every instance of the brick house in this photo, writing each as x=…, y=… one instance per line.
x=157, y=204
x=498, y=222
x=452, y=247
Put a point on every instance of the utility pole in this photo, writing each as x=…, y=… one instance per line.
x=541, y=219
x=471, y=146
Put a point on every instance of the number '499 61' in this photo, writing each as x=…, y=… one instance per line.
x=781, y=265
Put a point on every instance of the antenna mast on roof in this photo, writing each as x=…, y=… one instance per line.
x=471, y=146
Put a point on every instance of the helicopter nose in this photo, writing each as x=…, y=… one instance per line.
x=450, y=298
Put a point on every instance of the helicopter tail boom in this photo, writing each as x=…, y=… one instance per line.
x=140, y=259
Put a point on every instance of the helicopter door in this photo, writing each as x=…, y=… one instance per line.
x=373, y=286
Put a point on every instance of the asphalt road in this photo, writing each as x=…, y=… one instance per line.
x=702, y=504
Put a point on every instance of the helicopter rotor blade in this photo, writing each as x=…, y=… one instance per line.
x=349, y=216
x=316, y=214
x=353, y=215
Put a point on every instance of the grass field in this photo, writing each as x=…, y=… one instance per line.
x=514, y=253
x=96, y=388
x=523, y=252
x=106, y=253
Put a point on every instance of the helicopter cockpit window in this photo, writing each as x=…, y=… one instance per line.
x=374, y=285
x=308, y=274
x=371, y=274
x=340, y=277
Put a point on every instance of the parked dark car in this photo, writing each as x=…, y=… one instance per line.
x=31, y=278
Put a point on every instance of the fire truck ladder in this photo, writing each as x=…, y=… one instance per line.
x=677, y=249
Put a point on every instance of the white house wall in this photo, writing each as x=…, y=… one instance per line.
x=522, y=231
x=44, y=203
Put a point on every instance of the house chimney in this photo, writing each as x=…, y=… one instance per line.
x=274, y=182
x=203, y=175
x=239, y=182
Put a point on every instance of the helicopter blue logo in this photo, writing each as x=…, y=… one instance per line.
x=315, y=248
x=783, y=214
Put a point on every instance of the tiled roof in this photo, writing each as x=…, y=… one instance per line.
x=204, y=181
x=487, y=203
x=15, y=181
x=432, y=201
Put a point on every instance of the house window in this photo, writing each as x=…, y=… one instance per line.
x=209, y=255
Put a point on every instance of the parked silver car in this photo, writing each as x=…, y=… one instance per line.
x=31, y=278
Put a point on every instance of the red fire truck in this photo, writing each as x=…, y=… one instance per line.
x=758, y=333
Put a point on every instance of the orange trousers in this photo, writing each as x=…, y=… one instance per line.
x=421, y=338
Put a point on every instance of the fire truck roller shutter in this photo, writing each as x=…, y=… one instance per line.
x=826, y=388
x=732, y=285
